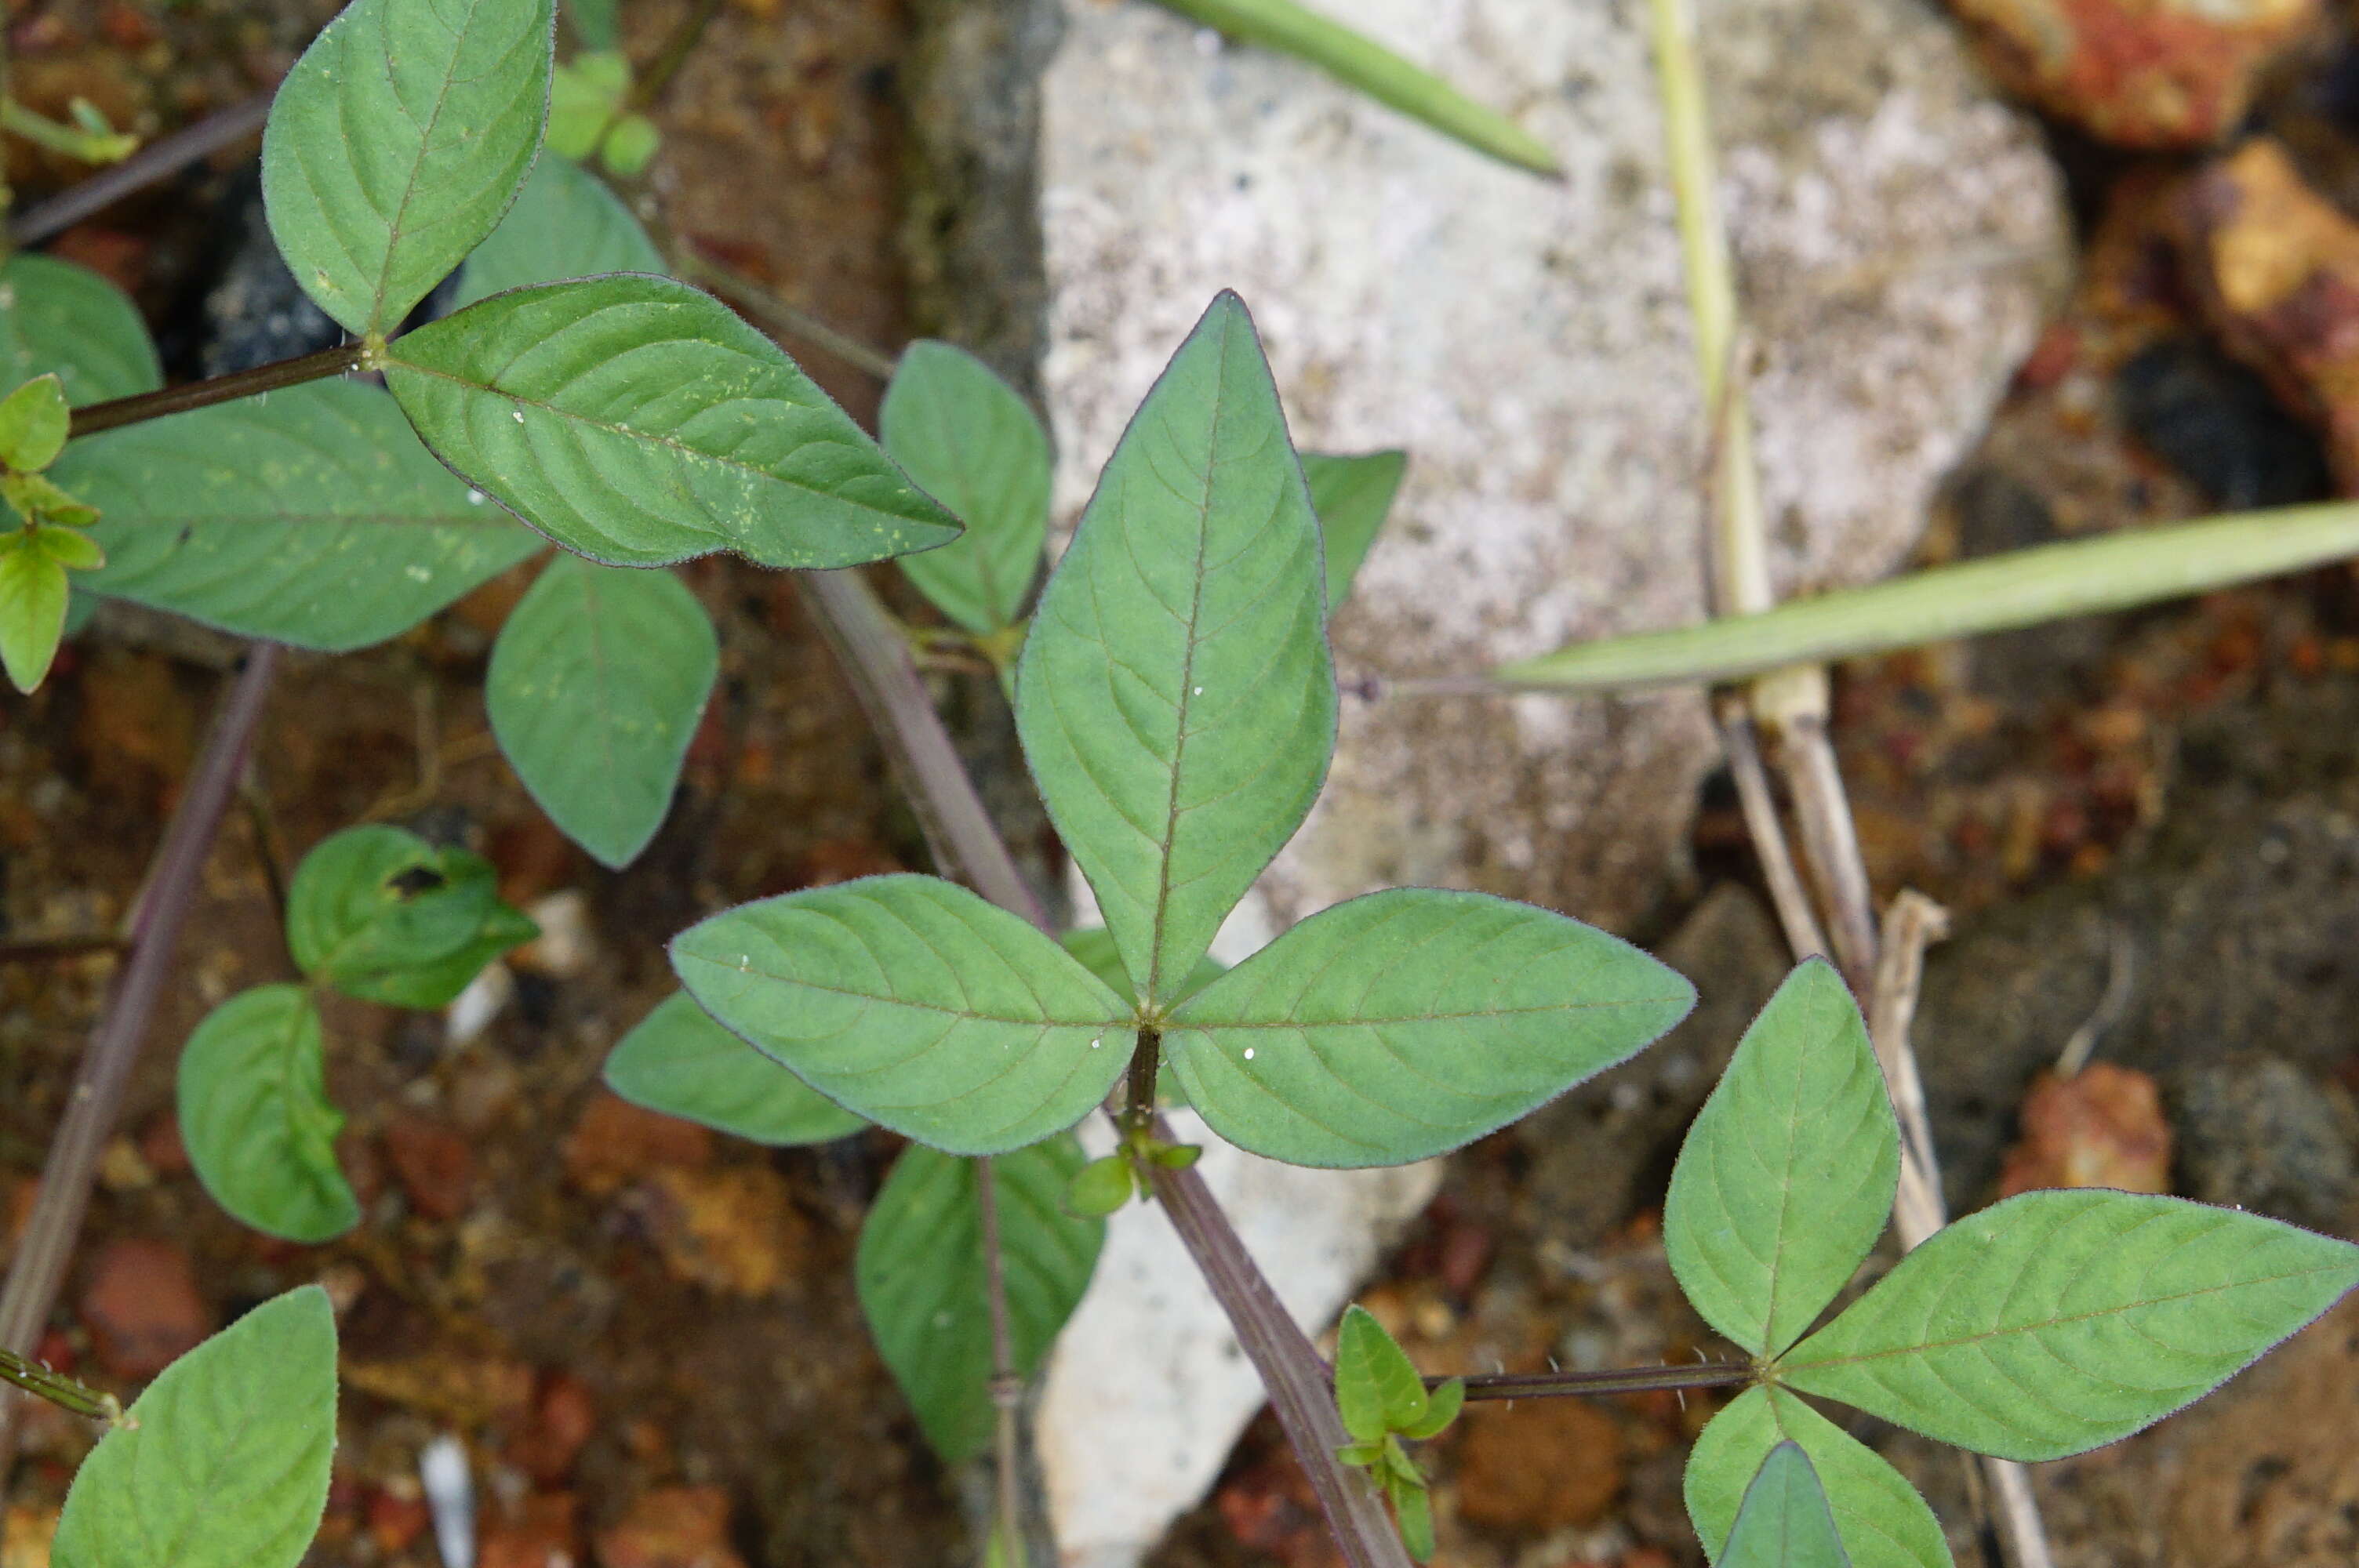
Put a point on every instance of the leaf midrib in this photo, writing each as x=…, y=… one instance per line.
x=1153, y=989
x=799, y=982
x=1180, y=1024
x=409, y=185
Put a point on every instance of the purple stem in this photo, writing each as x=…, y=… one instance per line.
x=39, y=1268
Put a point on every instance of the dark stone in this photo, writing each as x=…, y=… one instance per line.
x=978, y=269
x=2257, y=1133
x=2241, y=915
x=2214, y=421
x=255, y=313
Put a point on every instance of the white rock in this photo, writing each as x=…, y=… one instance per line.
x=1527, y=344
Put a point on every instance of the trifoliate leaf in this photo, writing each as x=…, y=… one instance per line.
x=1411, y=1022
x=311, y=516
x=595, y=687
x=32, y=610
x=384, y=917
x=974, y=444
x=33, y=423
x=1883, y=1521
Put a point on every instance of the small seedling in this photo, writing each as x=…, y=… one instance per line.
x=591, y=116
x=1382, y=1402
x=378, y=914
x=47, y=540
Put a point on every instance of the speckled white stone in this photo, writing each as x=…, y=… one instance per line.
x=1527, y=344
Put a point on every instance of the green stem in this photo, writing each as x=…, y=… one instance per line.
x=668, y=61
x=1998, y=593
x=73, y=141
x=158, y=160
x=341, y=359
x=76, y=1398
x=1361, y=63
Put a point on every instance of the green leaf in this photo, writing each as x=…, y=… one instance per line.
x=920, y=1276
x=1175, y=699
x=57, y=316
x=565, y=224
x=1442, y=1405
x=1378, y=1389
x=223, y=1463
x=914, y=1002
x=1784, y=1521
x=70, y=548
x=638, y=422
x=2055, y=1322
x=33, y=595
x=1414, y=1509
x=36, y=498
x=2001, y=593
x=384, y=917
x=1174, y=1156
x=594, y=24
x=398, y=141
x=595, y=687
x=630, y=146
x=33, y=421
x=1353, y=496
x=584, y=98
x=1785, y=1179
x=1411, y=1022
x=1363, y=64
x=973, y=443
x=1883, y=1521
x=255, y=1112
x=679, y=1062
x=311, y=516
x=1101, y=1187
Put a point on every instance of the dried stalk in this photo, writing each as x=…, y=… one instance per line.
x=1786, y=891
x=1912, y=923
